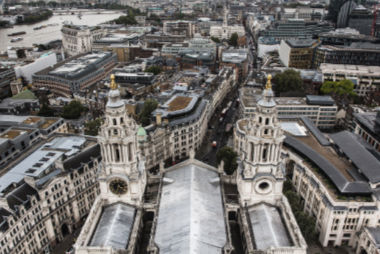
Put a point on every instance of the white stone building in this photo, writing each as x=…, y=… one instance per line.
x=336, y=178
x=366, y=79
x=260, y=177
x=322, y=110
x=225, y=31
x=78, y=39
x=114, y=221
x=46, y=194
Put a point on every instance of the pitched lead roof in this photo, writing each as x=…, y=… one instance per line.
x=268, y=227
x=191, y=216
x=114, y=227
x=359, y=156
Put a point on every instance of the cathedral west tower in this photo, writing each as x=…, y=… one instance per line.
x=260, y=176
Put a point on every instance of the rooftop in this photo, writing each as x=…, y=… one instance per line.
x=191, y=216
x=26, y=94
x=78, y=66
x=178, y=103
x=114, y=226
x=268, y=227
x=11, y=134
x=32, y=120
x=305, y=43
x=340, y=175
x=368, y=121
x=41, y=161
x=351, y=69
x=235, y=55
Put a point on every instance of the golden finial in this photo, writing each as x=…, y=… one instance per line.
x=268, y=85
x=113, y=84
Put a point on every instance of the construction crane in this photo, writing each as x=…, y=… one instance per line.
x=375, y=6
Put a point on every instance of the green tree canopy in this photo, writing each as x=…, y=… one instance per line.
x=229, y=157
x=46, y=110
x=343, y=87
x=215, y=39
x=304, y=220
x=149, y=106
x=126, y=20
x=73, y=110
x=342, y=91
x=233, y=41
x=288, y=81
x=153, y=69
x=92, y=127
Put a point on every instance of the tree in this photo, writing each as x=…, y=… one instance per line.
x=343, y=87
x=126, y=20
x=149, y=106
x=233, y=41
x=46, y=110
x=92, y=127
x=304, y=221
x=288, y=81
x=73, y=110
x=229, y=157
x=342, y=91
x=215, y=39
x=153, y=69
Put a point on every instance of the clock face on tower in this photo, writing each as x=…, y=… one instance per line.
x=118, y=186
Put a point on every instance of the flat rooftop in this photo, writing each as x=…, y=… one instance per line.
x=178, y=103
x=250, y=96
x=39, y=162
x=12, y=133
x=350, y=69
x=32, y=120
x=235, y=55
x=306, y=43
x=78, y=66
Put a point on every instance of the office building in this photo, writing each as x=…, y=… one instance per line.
x=297, y=53
x=322, y=110
x=355, y=54
x=46, y=194
x=75, y=74
x=78, y=39
x=366, y=79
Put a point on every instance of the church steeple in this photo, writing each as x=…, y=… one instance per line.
x=118, y=142
x=261, y=166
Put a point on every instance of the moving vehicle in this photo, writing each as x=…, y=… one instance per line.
x=17, y=33
x=16, y=39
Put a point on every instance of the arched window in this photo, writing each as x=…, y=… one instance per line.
x=266, y=121
x=260, y=119
x=114, y=121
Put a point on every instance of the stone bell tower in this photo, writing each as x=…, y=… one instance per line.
x=261, y=176
x=123, y=175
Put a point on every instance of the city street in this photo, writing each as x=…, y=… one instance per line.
x=216, y=131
